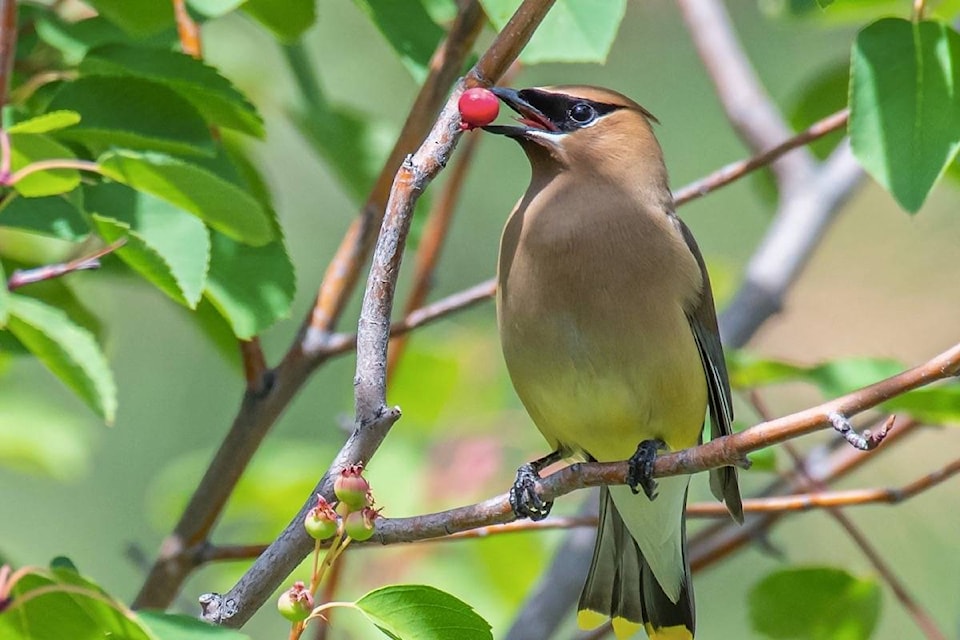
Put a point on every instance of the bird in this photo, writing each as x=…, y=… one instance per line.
x=609, y=333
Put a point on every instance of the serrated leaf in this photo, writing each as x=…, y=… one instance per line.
x=251, y=287
x=175, y=626
x=408, y=29
x=420, y=612
x=67, y=349
x=815, y=604
x=134, y=113
x=27, y=148
x=55, y=216
x=353, y=145
x=69, y=606
x=217, y=201
x=286, y=20
x=46, y=122
x=136, y=17
x=215, y=97
x=165, y=244
x=904, y=105
x=573, y=31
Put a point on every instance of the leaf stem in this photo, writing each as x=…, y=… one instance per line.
x=48, y=165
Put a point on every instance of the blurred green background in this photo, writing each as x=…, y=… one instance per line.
x=882, y=284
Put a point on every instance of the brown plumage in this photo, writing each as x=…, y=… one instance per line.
x=610, y=335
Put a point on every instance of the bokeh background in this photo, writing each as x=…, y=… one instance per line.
x=882, y=284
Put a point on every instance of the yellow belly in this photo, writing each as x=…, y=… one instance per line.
x=592, y=384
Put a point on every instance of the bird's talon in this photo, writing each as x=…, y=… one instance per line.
x=524, y=498
x=640, y=472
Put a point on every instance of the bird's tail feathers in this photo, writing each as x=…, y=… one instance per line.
x=621, y=586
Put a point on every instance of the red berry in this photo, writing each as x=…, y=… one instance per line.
x=352, y=488
x=296, y=603
x=478, y=107
x=321, y=521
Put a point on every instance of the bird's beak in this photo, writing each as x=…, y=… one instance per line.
x=531, y=118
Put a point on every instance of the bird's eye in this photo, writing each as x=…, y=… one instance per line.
x=582, y=113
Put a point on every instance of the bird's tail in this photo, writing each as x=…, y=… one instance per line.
x=621, y=586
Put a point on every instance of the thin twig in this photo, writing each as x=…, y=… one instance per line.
x=736, y=170
x=745, y=101
x=920, y=616
x=255, y=370
x=51, y=165
x=8, y=47
x=23, y=277
x=187, y=30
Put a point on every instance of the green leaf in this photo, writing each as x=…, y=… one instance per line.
x=27, y=148
x=74, y=39
x=839, y=377
x=215, y=97
x=815, y=604
x=904, y=106
x=46, y=122
x=55, y=216
x=933, y=405
x=823, y=95
x=422, y=613
x=175, y=626
x=215, y=200
x=251, y=287
x=409, y=30
x=40, y=438
x=748, y=371
x=287, y=20
x=165, y=244
x=67, y=349
x=132, y=112
x=353, y=146
x=69, y=606
x=573, y=31
x=214, y=8
x=136, y=17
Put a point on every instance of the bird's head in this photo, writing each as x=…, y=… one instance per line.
x=583, y=128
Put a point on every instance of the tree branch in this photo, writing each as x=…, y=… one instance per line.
x=258, y=411
x=373, y=417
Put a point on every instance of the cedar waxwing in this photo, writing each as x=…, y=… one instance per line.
x=610, y=336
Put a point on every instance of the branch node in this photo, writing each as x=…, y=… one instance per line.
x=866, y=442
x=214, y=609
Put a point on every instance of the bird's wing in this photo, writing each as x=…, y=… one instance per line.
x=703, y=322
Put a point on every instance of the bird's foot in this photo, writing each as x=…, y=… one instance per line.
x=640, y=472
x=524, y=499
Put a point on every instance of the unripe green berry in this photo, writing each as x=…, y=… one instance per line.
x=296, y=603
x=359, y=524
x=321, y=521
x=352, y=488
